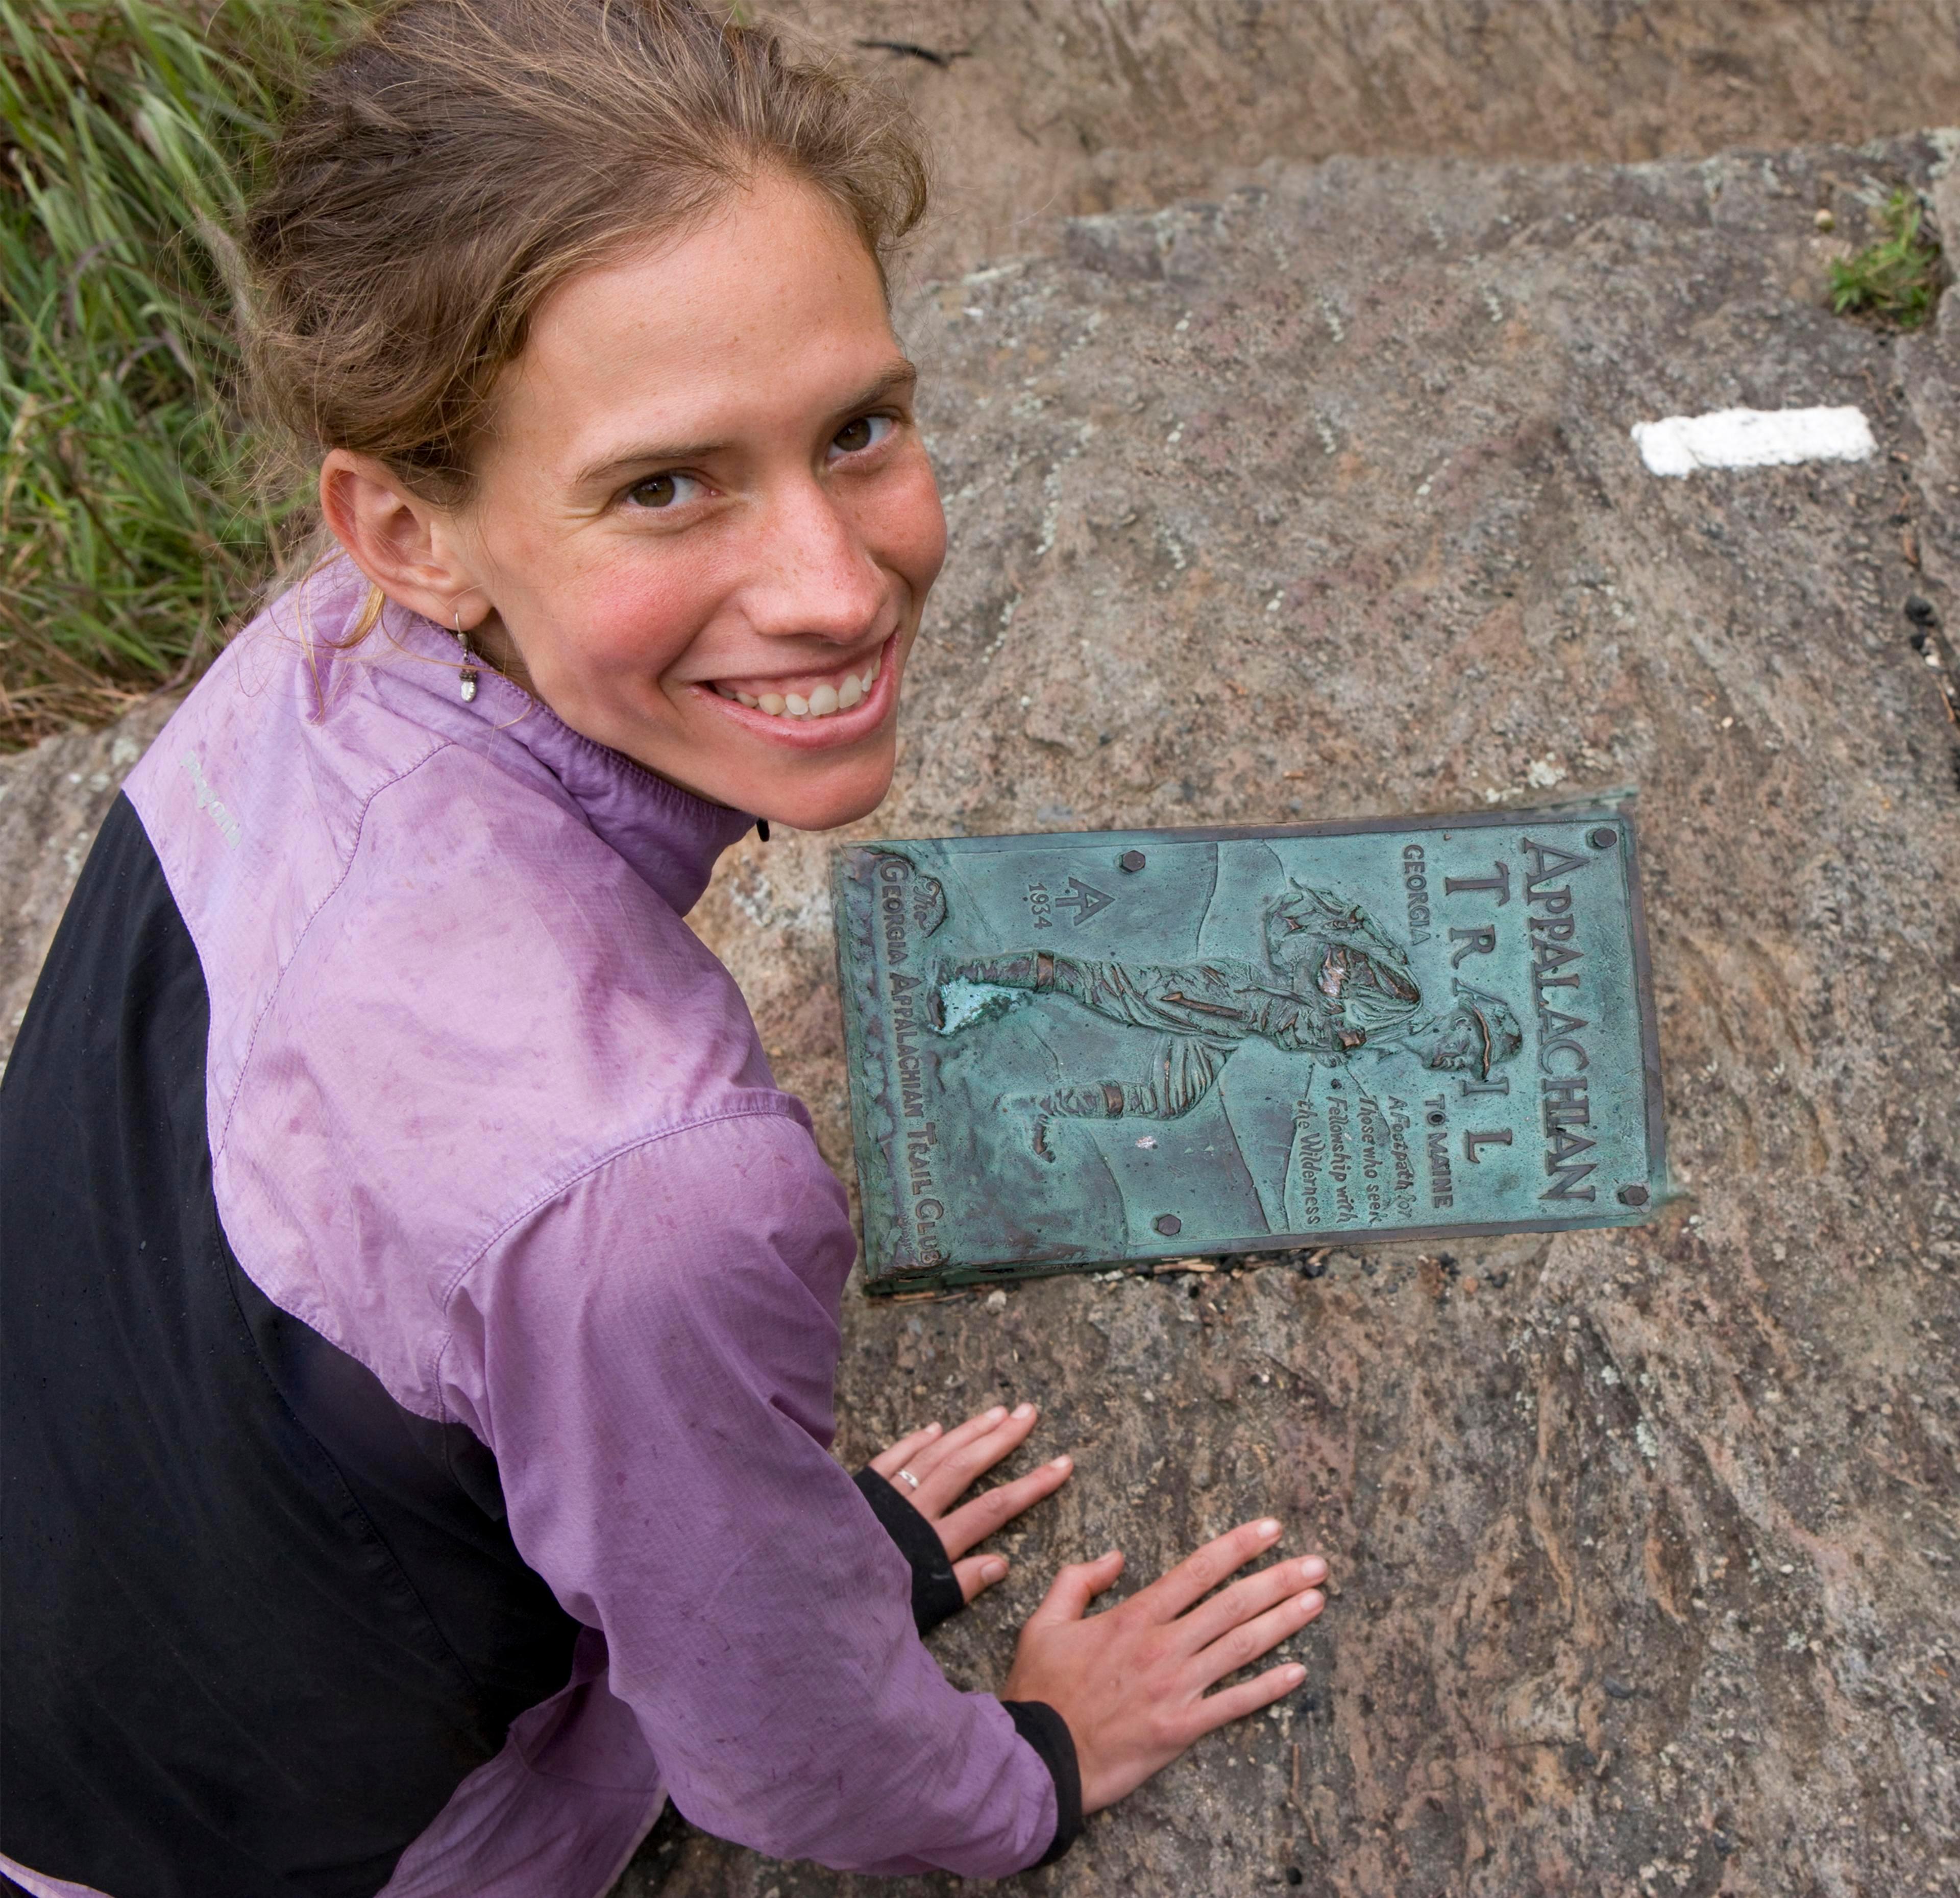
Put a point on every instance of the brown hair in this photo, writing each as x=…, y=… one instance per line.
x=465, y=157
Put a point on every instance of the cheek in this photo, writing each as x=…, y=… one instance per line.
x=905, y=526
x=588, y=605
x=628, y=614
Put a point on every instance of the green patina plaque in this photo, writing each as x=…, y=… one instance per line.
x=1074, y=1049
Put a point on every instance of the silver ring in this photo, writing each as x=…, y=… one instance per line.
x=905, y=1475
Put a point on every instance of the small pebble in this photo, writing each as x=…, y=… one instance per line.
x=1825, y=221
x=997, y=1301
x=1618, y=1688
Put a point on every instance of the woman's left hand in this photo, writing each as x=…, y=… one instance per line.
x=934, y=1467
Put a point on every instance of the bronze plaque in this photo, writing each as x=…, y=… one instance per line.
x=1078, y=1049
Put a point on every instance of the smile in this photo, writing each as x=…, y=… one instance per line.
x=812, y=695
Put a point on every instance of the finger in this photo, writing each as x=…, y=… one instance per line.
x=977, y=1444
x=953, y=1472
x=977, y=1572
x=936, y=1451
x=1241, y=1646
x=889, y=1463
x=1075, y=1587
x=1248, y=1596
x=1198, y=1575
x=1247, y=1697
x=977, y=1520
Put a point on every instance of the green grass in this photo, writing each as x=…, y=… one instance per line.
x=1897, y=280
x=135, y=525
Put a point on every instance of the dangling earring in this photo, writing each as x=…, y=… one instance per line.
x=465, y=673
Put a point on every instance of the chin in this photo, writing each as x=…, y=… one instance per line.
x=827, y=803
x=817, y=812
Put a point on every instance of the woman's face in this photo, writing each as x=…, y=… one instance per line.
x=704, y=520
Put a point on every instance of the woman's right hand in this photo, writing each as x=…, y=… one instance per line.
x=1131, y=1682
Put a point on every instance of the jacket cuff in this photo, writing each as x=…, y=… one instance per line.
x=936, y=1591
x=1047, y=1732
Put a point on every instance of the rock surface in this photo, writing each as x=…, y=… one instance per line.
x=1319, y=501
x=52, y=800
x=1048, y=109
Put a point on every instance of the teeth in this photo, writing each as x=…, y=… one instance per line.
x=822, y=701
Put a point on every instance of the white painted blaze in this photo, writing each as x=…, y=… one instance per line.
x=1753, y=438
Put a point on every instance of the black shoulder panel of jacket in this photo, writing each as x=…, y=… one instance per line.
x=260, y=1619
x=936, y=1590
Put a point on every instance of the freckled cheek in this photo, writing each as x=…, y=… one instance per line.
x=640, y=619
x=906, y=527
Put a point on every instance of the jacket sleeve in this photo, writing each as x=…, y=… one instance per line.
x=936, y=1594
x=650, y=1355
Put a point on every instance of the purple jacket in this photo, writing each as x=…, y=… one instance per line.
x=481, y=1115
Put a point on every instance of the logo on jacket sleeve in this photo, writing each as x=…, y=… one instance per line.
x=208, y=801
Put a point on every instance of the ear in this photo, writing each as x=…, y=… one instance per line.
x=409, y=547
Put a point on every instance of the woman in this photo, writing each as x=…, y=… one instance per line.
x=420, y=1304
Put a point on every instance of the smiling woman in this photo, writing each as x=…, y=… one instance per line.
x=699, y=485
x=572, y=464
x=417, y=1451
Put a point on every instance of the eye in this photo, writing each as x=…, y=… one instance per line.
x=862, y=432
x=661, y=492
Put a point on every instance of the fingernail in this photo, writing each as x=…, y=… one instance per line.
x=1314, y=1569
x=992, y=1570
x=1063, y=1463
x=1266, y=1530
x=1024, y=1410
x=1295, y=1674
x=997, y=1413
x=932, y=1429
x=1313, y=1599
x=1110, y=1555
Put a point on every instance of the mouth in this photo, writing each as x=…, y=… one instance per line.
x=814, y=707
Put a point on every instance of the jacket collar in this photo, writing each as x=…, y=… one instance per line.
x=670, y=837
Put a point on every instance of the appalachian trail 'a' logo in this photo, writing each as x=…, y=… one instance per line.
x=1085, y=899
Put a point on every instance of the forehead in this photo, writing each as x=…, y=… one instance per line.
x=771, y=309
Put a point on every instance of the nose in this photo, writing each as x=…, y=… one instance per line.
x=814, y=576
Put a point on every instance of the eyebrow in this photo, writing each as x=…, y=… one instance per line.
x=901, y=375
